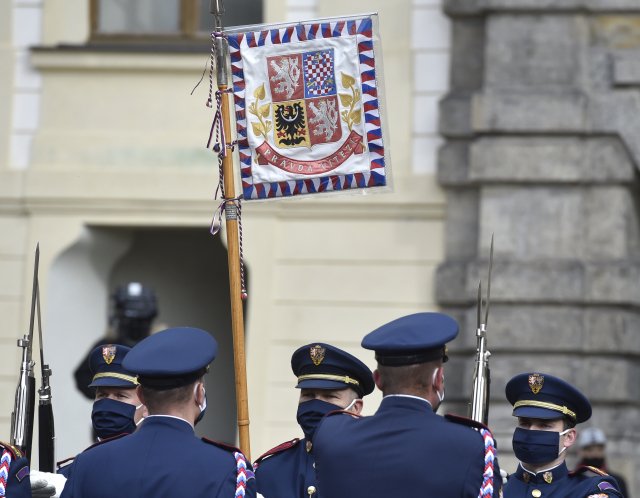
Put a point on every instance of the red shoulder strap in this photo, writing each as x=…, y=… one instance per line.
x=276, y=449
x=458, y=419
x=224, y=446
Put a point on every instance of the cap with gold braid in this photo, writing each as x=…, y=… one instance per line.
x=538, y=395
x=323, y=366
x=105, y=363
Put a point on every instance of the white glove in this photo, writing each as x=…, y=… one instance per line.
x=46, y=484
x=504, y=475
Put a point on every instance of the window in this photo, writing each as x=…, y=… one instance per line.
x=166, y=19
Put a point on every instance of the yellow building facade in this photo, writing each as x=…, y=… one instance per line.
x=104, y=164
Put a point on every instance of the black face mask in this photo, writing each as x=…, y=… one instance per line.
x=594, y=462
x=310, y=413
x=111, y=418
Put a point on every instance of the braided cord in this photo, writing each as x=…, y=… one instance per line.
x=221, y=147
x=486, y=490
x=5, y=464
x=242, y=477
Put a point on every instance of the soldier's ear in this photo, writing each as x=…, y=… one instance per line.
x=377, y=378
x=140, y=395
x=357, y=406
x=570, y=437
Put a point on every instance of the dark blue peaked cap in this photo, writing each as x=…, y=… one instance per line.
x=412, y=339
x=105, y=363
x=539, y=395
x=172, y=358
x=323, y=366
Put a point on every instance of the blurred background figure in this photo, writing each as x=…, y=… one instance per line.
x=132, y=310
x=592, y=447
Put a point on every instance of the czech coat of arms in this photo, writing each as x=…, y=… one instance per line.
x=317, y=354
x=536, y=381
x=307, y=108
x=108, y=353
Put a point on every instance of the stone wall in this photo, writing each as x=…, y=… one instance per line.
x=543, y=148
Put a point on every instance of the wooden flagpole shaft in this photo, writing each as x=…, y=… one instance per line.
x=233, y=243
x=235, y=288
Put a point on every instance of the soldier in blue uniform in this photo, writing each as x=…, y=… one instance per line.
x=164, y=458
x=405, y=449
x=14, y=473
x=117, y=410
x=329, y=379
x=548, y=409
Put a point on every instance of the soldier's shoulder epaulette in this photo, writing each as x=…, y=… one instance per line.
x=105, y=440
x=15, y=452
x=588, y=470
x=63, y=463
x=277, y=449
x=465, y=421
x=224, y=446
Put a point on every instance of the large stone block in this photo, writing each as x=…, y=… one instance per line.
x=543, y=328
x=467, y=54
x=514, y=281
x=455, y=115
x=626, y=67
x=530, y=111
x=560, y=222
x=471, y=7
x=541, y=52
x=547, y=160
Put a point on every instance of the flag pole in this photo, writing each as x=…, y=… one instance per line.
x=233, y=242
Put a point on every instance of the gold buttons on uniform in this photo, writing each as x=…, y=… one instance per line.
x=311, y=490
x=536, y=493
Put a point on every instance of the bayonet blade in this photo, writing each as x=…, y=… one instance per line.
x=479, y=311
x=488, y=303
x=34, y=297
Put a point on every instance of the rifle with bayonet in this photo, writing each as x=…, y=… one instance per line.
x=46, y=431
x=23, y=409
x=481, y=374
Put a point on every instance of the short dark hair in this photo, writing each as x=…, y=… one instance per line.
x=400, y=379
x=159, y=401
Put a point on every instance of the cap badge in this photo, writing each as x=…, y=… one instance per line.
x=317, y=354
x=548, y=477
x=108, y=353
x=535, y=382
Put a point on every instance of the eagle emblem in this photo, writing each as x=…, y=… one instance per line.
x=317, y=354
x=536, y=381
x=108, y=353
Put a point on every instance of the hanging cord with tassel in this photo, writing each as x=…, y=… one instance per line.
x=220, y=147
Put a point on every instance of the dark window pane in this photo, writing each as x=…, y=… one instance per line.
x=236, y=13
x=138, y=17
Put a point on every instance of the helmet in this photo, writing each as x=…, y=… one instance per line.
x=133, y=308
x=591, y=436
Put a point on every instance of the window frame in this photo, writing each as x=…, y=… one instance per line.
x=188, y=25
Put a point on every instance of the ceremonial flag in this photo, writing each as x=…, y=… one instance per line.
x=308, y=107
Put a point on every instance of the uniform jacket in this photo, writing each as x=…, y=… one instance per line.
x=15, y=469
x=162, y=459
x=286, y=471
x=559, y=483
x=65, y=467
x=405, y=449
